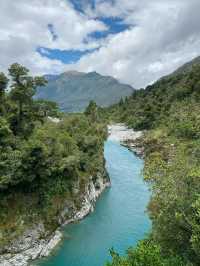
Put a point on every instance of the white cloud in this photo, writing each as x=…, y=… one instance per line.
x=24, y=27
x=163, y=35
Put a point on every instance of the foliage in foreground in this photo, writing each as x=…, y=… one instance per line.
x=41, y=161
x=145, y=254
x=170, y=111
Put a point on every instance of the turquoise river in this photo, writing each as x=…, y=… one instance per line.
x=119, y=219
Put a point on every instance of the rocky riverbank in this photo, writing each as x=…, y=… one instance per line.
x=37, y=242
x=127, y=137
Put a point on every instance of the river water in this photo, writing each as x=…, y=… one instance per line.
x=119, y=219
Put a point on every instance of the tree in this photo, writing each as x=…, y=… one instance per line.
x=46, y=108
x=5, y=132
x=92, y=111
x=23, y=89
x=3, y=86
x=146, y=253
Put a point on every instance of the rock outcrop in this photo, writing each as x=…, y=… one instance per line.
x=127, y=137
x=37, y=242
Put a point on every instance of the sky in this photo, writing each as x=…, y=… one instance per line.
x=135, y=41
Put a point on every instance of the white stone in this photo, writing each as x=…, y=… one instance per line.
x=54, y=241
x=121, y=133
x=32, y=247
x=54, y=119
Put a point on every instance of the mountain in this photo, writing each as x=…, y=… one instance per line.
x=74, y=90
x=147, y=108
x=187, y=67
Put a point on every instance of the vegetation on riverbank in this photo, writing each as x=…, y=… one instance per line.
x=42, y=163
x=170, y=112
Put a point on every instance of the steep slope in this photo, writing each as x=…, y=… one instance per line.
x=169, y=112
x=187, y=67
x=149, y=107
x=74, y=90
x=51, y=170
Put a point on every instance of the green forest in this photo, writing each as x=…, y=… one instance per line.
x=41, y=161
x=169, y=113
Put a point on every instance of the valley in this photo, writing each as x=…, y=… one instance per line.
x=59, y=171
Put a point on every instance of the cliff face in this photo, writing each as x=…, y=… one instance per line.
x=37, y=241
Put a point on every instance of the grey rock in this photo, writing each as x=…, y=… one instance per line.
x=36, y=242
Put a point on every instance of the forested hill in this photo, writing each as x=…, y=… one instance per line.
x=188, y=66
x=46, y=166
x=74, y=90
x=170, y=96
x=169, y=112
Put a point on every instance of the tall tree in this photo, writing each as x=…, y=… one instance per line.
x=3, y=86
x=23, y=89
x=92, y=111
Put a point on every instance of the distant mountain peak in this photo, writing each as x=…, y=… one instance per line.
x=73, y=90
x=93, y=73
x=73, y=73
x=50, y=77
x=188, y=66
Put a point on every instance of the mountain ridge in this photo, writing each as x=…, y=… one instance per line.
x=73, y=90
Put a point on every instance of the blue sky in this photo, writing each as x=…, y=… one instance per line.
x=80, y=4
x=135, y=41
x=114, y=26
x=65, y=56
